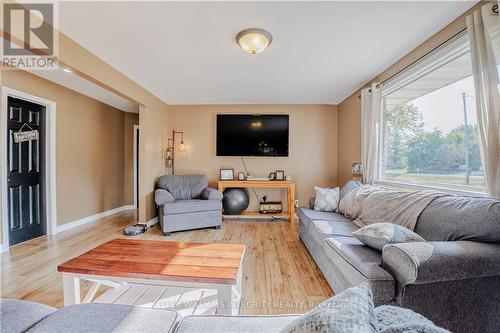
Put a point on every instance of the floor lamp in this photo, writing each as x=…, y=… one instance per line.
x=171, y=147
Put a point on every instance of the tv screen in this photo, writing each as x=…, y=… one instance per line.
x=252, y=135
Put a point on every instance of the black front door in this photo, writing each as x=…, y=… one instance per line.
x=25, y=178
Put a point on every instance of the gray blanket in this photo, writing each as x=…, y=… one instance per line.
x=392, y=319
x=371, y=204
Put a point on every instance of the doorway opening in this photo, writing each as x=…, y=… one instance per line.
x=25, y=170
x=28, y=174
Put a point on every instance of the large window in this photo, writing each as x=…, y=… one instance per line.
x=429, y=132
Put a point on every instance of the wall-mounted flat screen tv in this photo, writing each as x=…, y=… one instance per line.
x=252, y=135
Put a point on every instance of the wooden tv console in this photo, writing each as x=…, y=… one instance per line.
x=285, y=184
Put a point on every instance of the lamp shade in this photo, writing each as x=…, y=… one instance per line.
x=254, y=40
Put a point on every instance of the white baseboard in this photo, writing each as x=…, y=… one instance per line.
x=85, y=220
x=88, y=219
x=152, y=222
x=4, y=248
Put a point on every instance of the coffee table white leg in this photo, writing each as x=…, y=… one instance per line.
x=71, y=287
x=228, y=297
x=237, y=292
x=224, y=292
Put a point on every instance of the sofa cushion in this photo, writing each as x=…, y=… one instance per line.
x=97, y=318
x=337, y=222
x=233, y=324
x=326, y=216
x=17, y=316
x=359, y=264
x=460, y=218
x=335, y=228
x=191, y=206
x=183, y=187
x=349, y=311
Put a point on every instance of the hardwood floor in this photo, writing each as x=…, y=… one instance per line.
x=279, y=275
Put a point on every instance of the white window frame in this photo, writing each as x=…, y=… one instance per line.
x=448, y=52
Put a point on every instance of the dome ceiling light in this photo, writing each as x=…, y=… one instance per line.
x=254, y=40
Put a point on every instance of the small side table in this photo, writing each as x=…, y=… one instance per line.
x=288, y=185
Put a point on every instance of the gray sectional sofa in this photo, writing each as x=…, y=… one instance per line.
x=186, y=202
x=18, y=316
x=453, y=278
x=21, y=316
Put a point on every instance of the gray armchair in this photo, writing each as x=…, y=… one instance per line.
x=185, y=203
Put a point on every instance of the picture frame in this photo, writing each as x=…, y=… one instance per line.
x=280, y=175
x=241, y=176
x=272, y=176
x=226, y=174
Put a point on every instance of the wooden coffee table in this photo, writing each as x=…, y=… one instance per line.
x=208, y=266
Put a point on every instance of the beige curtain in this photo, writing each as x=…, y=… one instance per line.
x=371, y=104
x=484, y=35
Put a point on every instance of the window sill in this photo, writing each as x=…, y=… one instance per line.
x=410, y=186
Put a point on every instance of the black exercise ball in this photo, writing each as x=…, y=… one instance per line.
x=235, y=201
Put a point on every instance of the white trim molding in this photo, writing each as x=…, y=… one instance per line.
x=136, y=185
x=89, y=219
x=4, y=247
x=92, y=218
x=50, y=161
x=453, y=49
x=420, y=187
x=152, y=222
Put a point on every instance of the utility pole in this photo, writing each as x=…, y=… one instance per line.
x=466, y=140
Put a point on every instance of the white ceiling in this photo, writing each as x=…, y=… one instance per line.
x=87, y=88
x=185, y=53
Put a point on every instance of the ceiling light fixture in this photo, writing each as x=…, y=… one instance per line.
x=254, y=40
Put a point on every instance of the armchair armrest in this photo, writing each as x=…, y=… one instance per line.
x=426, y=262
x=211, y=194
x=163, y=196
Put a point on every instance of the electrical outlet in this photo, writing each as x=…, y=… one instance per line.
x=297, y=203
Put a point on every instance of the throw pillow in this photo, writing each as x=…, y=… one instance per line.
x=348, y=187
x=378, y=235
x=349, y=311
x=327, y=199
x=349, y=206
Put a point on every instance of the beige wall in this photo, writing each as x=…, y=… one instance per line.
x=350, y=108
x=349, y=137
x=130, y=119
x=153, y=114
x=89, y=148
x=152, y=117
x=153, y=137
x=312, y=154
